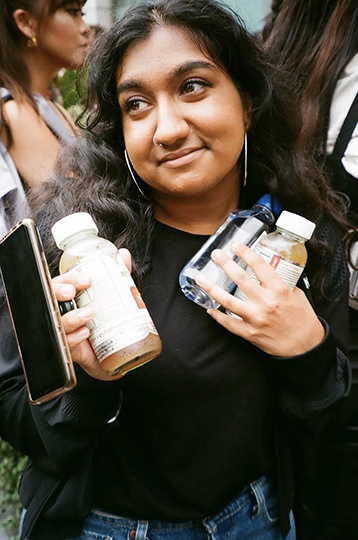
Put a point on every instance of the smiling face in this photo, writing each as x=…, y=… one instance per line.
x=63, y=36
x=171, y=91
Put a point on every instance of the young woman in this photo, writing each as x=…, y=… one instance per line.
x=317, y=42
x=193, y=445
x=37, y=39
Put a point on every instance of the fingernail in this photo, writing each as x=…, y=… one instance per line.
x=85, y=313
x=201, y=279
x=68, y=290
x=234, y=245
x=84, y=279
x=216, y=254
x=83, y=332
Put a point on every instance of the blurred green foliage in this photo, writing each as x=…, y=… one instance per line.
x=71, y=89
x=12, y=464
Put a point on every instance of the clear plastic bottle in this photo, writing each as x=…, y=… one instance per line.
x=122, y=332
x=241, y=226
x=284, y=249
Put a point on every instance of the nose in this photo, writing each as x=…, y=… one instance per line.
x=84, y=28
x=172, y=124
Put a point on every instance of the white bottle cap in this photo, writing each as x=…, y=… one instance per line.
x=70, y=225
x=296, y=224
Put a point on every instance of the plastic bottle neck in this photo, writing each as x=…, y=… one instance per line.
x=263, y=213
x=78, y=237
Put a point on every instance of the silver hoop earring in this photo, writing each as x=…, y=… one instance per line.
x=131, y=172
x=156, y=144
x=245, y=161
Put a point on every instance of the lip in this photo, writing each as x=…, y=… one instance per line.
x=182, y=157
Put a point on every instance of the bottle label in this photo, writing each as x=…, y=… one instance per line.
x=120, y=317
x=289, y=272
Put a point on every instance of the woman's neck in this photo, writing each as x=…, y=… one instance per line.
x=200, y=214
x=41, y=71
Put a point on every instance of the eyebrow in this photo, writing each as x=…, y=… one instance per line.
x=138, y=84
x=79, y=3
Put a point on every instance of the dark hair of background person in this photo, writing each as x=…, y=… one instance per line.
x=314, y=41
x=103, y=186
x=14, y=74
x=315, y=44
x=271, y=18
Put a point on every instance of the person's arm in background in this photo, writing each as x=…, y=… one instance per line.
x=34, y=148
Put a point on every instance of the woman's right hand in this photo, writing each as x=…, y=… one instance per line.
x=74, y=322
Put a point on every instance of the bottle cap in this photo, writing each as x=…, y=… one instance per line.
x=70, y=225
x=296, y=224
x=272, y=203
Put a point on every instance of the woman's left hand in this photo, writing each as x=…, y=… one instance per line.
x=277, y=319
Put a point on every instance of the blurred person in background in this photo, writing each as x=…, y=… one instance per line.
x=37, y=39
x=69, y=87
x=317, y=42
x=95, y=31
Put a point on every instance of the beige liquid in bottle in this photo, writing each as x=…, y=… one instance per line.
x=122, y=333
x=284, y=249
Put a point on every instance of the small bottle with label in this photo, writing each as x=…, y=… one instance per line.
x=284, y=249
x=242, y=226
x=122, y=333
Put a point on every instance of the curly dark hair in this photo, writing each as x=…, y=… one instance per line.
x=99, y=182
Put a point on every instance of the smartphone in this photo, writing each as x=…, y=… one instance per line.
x=35, y=315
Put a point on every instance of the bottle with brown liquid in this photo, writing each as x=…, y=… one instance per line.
x=284, y=249
x=122, y=333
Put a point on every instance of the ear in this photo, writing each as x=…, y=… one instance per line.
x=247, y=103
x=25, y=22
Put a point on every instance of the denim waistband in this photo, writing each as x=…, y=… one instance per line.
x=255, y=491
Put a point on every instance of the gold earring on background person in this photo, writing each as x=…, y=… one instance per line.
x=32, y=42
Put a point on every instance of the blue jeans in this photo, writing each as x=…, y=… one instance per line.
x=254, y=515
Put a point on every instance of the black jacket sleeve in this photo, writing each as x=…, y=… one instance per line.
x=311, y=386
x=77, y=416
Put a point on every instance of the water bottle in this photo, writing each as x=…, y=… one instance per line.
x=241, y=226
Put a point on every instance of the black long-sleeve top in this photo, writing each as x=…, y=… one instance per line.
x=192, y=427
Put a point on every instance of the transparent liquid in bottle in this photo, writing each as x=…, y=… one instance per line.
x=241, y=226
x=122, y=333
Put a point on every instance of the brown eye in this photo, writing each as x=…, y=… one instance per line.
x=193, y=86
x=134, y=105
